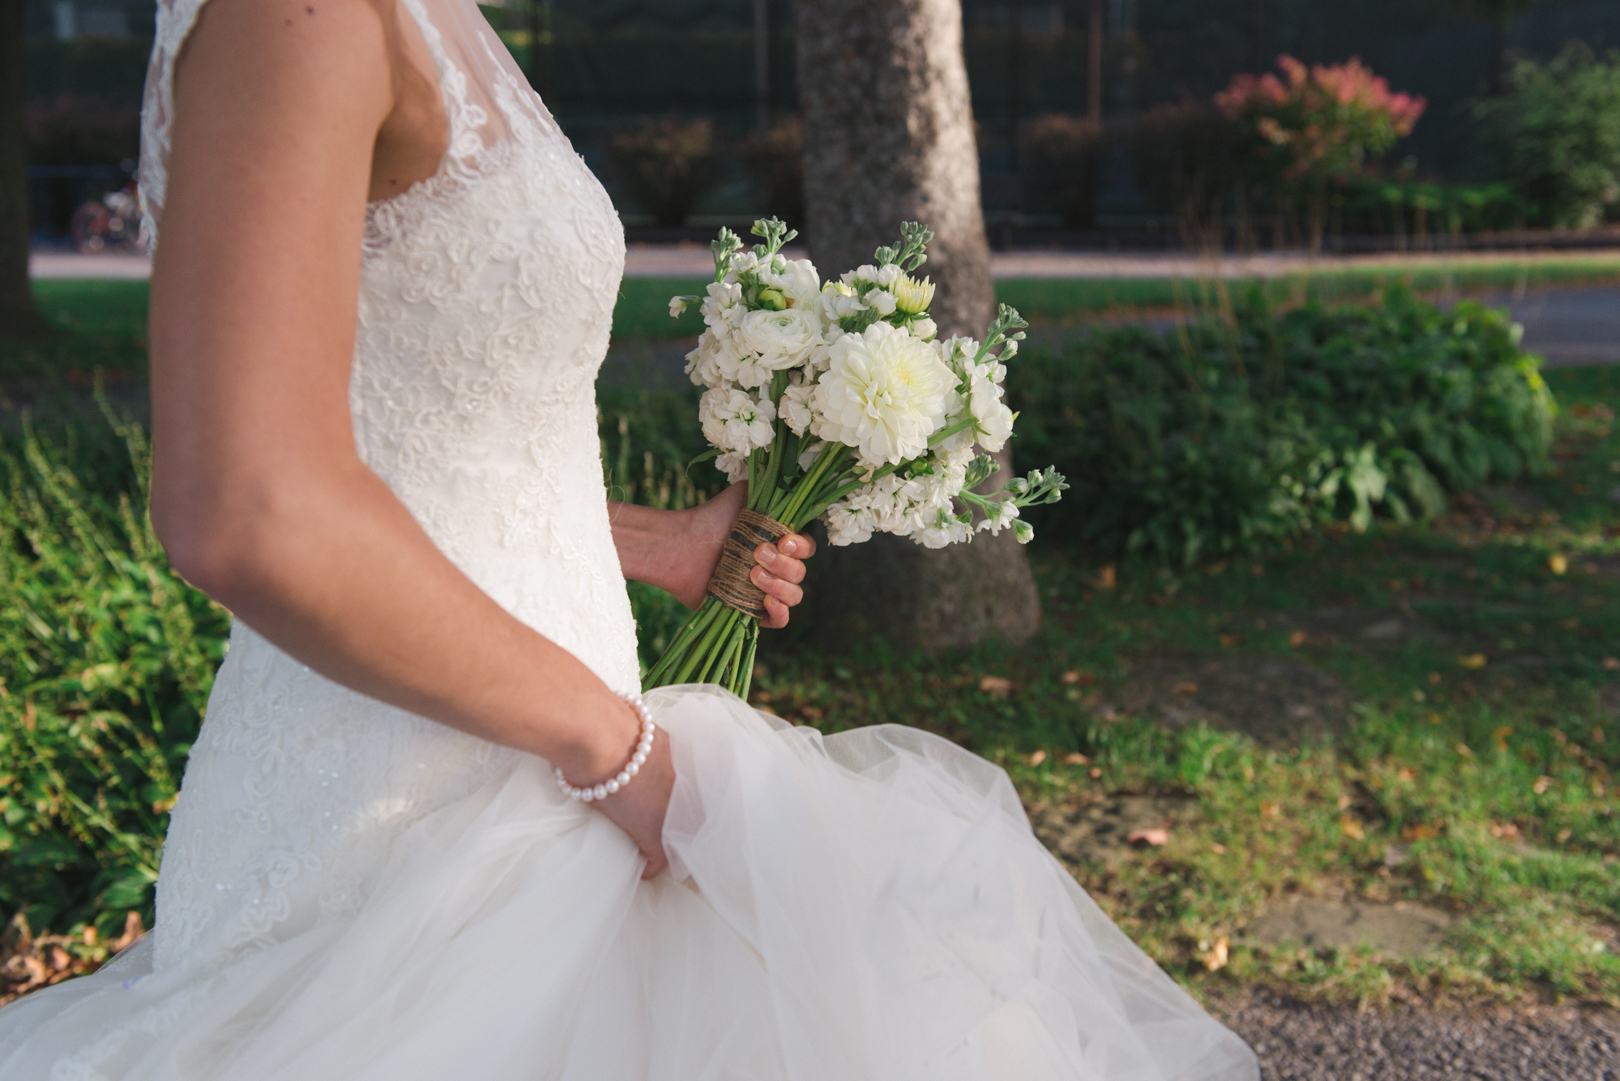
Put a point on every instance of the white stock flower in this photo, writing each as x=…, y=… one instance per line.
x=864, y=273
x=882, y=300
x=1023, y=531
x=924, y=329
x=883, y=394
x=1000, y=516
x=888, y=274
x=847, y=524
x=808, y=456
x=839, y=300
x=943, y=528
x=735, y=421
x=677, y=305
x=734, y=464
x=723, y=307
x=703, y=363
x=993, y=421
x=783, y=339
x=795, y=407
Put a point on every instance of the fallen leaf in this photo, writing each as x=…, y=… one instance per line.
x=996, y=686
x=1564, y=835
x=1154, y=836
x=1421, y=831
x=1037, y=758
x=1075, y=758
x=1215, y=957
x=1504, y=831
x=1465, y=750
x=1229, y=639
x=1611, y=664
x=1351, y=828
x=1297, y=639
x=1406, y=773
x=1076, y=677
x=1344, y=800
x=1269, y=809
x=1542, y=784
x=1184, y=688
x=1557, y=563
x=1472, y=660
x=1107, y=577
x=1218, y=849
x=1434, y=677
x=1095, y=773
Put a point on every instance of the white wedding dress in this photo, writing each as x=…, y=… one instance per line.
x=353, y=893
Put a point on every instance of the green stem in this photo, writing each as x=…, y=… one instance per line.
x=748, y=664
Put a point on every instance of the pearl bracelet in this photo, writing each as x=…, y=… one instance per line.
x=631, y=768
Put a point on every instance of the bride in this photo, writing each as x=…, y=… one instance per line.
x=376, y=444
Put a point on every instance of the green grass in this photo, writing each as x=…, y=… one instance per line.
x=1475, y=775
x=643, y=302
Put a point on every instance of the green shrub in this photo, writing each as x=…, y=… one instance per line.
x=1556, y=135
x=108, y=658
x=1228, y=435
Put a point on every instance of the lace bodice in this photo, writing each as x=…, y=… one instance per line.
x=485, y=305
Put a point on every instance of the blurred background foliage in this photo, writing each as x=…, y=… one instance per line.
x=688, y=107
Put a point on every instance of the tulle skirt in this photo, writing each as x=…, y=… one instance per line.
x=869, y=905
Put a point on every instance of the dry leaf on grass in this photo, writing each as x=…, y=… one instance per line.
x=1153, y=837
x=1542, y=784
x=1107, y=578
x=1184, y=688
x=1351, y=828
x=1472, y=660
x=1037, y=758
x=1504, y=831
x=1075, y=758
x=1214, y=954
x=1297, y=639
x=1420, y=831
x=996, y=686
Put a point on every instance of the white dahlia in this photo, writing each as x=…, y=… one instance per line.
x=884, y=394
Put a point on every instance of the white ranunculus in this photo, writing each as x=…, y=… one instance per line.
x=783, y=339
x=864, y=273
x=884, y=394
x=794, y=407
x=993, y=421
x=734, y=420
x=880, y=299
x=796, y=279
x=924, y=329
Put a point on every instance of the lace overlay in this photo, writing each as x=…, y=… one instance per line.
x=485, y=306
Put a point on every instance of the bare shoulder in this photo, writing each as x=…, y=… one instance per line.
x=280, y=53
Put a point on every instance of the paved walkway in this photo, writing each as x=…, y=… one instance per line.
x=693, y=260
x=1569, y=326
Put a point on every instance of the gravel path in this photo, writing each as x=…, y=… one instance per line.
x=1308, y=1042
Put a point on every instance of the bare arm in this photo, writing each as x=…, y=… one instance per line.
x=258, y=492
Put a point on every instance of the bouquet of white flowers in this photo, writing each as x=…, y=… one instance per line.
x=839, y=401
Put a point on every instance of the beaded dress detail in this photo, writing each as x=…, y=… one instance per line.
x=350, y=892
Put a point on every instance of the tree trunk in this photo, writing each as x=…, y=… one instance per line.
x=888, y=137
x=18, y=315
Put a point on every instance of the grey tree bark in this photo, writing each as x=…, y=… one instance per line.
x=18, y=316
x=888, y=137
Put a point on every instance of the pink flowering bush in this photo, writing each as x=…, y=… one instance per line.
x=1318, y=122
x=1311, y=127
